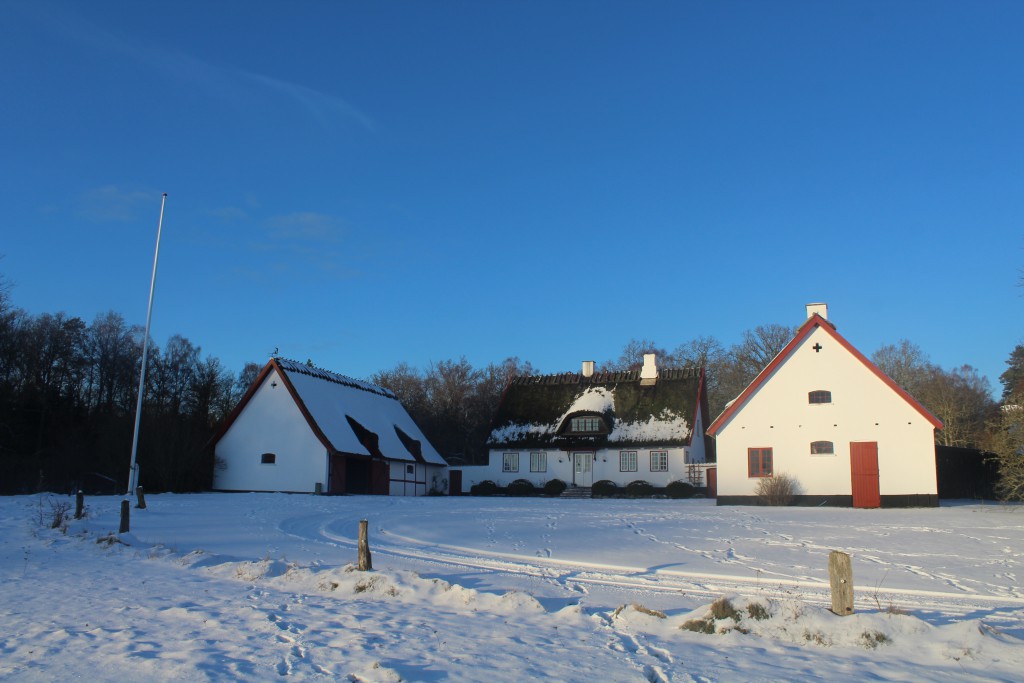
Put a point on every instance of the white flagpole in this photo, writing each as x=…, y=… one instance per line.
x=145, y=350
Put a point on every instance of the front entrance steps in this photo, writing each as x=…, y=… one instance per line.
x=577, y=492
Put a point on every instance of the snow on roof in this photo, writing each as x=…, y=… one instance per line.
x=332, y=399
x=535, y=408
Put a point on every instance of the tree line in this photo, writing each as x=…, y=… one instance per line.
x=67, y=408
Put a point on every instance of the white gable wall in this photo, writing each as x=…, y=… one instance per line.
x=270, y=423
x=863, y=408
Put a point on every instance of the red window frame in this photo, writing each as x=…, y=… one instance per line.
x=759, y=462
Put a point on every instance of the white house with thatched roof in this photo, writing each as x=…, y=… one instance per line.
x=586, y=427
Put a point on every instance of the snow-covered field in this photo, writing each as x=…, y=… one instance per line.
x=261, y=587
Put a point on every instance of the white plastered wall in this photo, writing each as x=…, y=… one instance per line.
x=271, y=423
x=863, y=408
x=559, y=466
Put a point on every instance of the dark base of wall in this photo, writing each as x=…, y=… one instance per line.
x=919, y=500
x=911, y=500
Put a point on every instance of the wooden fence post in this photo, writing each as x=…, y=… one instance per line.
x=364, y=547
x=141, y=495
x=79, y=504
x=124, y=516
x=840, y=575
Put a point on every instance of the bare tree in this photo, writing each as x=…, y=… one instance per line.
x=905, y=363
x=707, y=353
x=961, y=398
x=632, y=356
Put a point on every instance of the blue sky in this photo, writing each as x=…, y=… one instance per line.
x=369, y=183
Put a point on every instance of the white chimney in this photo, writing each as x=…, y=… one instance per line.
x=820, y=309
x=649, y=373
x=588, y=368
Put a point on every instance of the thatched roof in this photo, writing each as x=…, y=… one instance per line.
x=537, y=411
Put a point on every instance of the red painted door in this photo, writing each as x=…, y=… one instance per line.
x=864, y=470
x=712, y=482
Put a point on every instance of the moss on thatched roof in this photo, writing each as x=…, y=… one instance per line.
x=535, y=410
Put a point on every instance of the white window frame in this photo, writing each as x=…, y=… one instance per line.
x=510, y=462
x=583, y=424
x=538, y=461
x=663, y=457
x=627, y=461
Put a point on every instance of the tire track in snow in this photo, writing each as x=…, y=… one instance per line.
x=576, y=575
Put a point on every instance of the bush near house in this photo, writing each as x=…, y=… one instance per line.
x=520, y=487
x=779, y=489
x=484, y=488
x=554, y=487
x=680, y=489
x=639, y=489
x=604, y=489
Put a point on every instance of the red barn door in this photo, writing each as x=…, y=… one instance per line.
x=864, y=470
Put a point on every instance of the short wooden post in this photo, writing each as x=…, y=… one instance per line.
x=365, y=564
x=124, y=516
x=840, y=575
x=79, y=504
x=141, y=495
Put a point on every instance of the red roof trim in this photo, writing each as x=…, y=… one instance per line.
x=805, y=330
x=257, y=383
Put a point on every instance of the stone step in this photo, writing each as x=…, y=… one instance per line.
x=577, y=492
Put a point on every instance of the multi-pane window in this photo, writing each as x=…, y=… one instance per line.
x=759, y=462
x=627, y=461
x=585, y=425
x=538, y=461
x=510, y=463
x=659, y=461
x=819, y=396
x=822, y=448
x=268, y=459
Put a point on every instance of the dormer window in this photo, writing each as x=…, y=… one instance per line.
x=585, y=425
x=819, y=397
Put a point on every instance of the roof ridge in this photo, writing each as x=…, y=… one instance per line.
x=337, y=378
x=606, y=376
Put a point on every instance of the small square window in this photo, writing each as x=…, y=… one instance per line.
x=410, y=469
x=659, y=461
x=627, y=461
x=268, y=459
x=510, y=463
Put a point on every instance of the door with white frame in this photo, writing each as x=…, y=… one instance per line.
x=583, y=468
